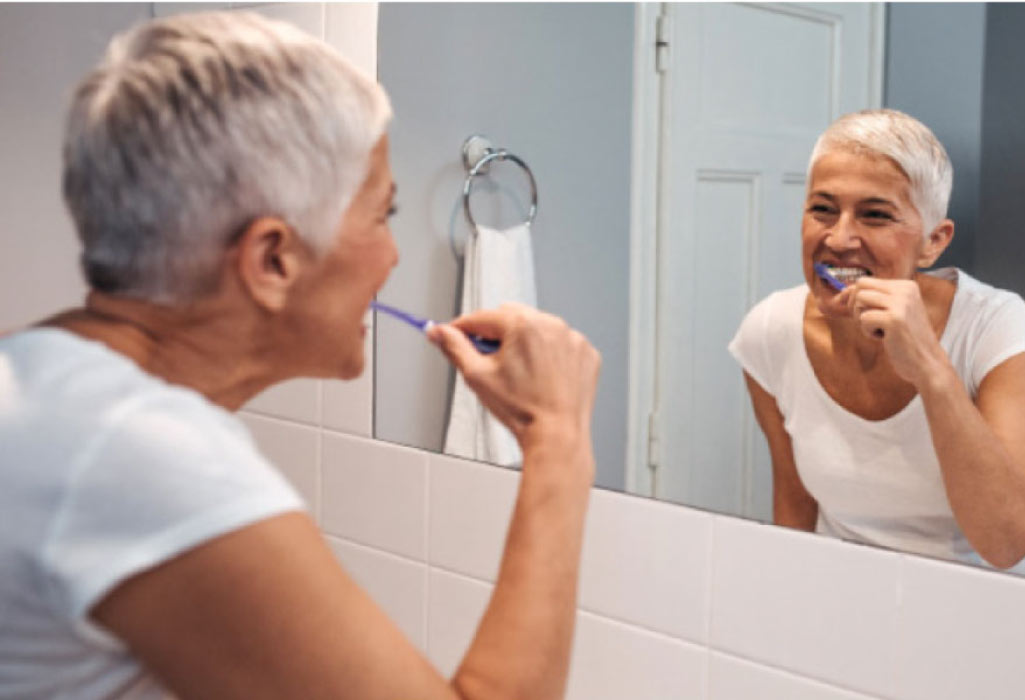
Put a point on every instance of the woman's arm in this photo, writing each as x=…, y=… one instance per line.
x=267, y=612
x=981, y=450
x=980, y=445
x=792, y=505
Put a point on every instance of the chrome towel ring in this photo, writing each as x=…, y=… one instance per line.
x=478, y=155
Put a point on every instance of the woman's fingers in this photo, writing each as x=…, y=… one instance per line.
x=457, y=348
x=872, y=299
x=544, y=372
x=491, y=323
x=875, y=322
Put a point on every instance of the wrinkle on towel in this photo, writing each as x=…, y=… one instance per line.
x=498, y=268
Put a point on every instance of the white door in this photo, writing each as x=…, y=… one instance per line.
x=746, y=90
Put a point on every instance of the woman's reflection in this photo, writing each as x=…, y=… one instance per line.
x=893, y=408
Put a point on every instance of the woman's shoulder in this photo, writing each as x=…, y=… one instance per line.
x=985, y=327
x=67, y=394
x=769, y=334
x=779, y=312
x=974, y=295
x=979, y=308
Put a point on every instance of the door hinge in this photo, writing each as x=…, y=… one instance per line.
x=653, y=445
x=662, y=43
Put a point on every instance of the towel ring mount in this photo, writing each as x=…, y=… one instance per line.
x=478, y=155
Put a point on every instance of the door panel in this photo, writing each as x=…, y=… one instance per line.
x=747, y=91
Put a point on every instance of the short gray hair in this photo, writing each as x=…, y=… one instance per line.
x=907, y=142
x=191, y=127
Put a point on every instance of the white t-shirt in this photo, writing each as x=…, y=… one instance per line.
x=105, y=471
x=877, y=482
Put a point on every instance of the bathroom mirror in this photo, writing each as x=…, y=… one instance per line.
x=670, y=189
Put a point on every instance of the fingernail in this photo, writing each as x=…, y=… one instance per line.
x=436, y=335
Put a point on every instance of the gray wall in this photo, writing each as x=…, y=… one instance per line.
x=934, y=69
x=553, y=84
x=44, y=51
x=1000, y=247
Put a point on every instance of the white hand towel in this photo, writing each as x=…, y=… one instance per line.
x=498, y=268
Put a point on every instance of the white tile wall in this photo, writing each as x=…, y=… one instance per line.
x=294, y=450
x=296, y=400
x=664, y=584
x=961, y=633
x=613, y=661
x=455, y=605
x=816, y=606
x=398, y=585
x=375, y=497
x=674, y=603
x=753, y=611
x=43, y=54
x=470, y=508
x=678, y=603
x=353, y=25
x=730, y=678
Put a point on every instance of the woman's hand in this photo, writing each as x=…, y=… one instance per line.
x=541, y=380
x=893, y=311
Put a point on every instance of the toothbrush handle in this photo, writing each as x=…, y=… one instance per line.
x=485, y=346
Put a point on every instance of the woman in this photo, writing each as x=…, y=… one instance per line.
x=893, y=408
x=228, y=177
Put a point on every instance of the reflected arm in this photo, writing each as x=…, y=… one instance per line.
x=981, y=449
x=792, y=505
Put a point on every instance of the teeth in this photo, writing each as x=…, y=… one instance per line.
x=847, y=275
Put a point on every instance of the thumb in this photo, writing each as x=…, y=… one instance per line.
x=456, y=346
x=846, y=296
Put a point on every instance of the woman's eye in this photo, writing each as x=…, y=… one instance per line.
x=393, y=210
x=878, y=214
x=819, y=209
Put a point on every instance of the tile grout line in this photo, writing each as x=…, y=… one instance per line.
x=295, y=422
x=427, y=555
x=430, y=566
x=710, y=580
x=902, y=564
x=320, y=454
x=793, y=675
x=376, y=550
x=661, y=634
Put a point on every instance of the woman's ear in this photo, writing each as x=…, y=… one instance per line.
x=935, y=243
x=270, y=261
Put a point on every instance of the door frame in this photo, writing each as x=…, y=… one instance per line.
x=645, y=177
x=645, y=187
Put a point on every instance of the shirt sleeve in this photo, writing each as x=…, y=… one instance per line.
x=1001, y=336
x=750, y=345
x=162, y=480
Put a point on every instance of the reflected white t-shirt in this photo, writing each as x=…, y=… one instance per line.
x=105, y=471
x=877, y=482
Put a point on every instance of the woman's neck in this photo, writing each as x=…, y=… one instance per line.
x=201, y=346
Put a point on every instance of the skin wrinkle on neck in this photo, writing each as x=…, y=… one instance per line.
x=195, y=347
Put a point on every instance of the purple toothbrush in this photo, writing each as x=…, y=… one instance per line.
x=823, y=272
x=485, y=346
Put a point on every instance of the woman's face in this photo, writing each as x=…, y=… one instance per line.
x=858, y=220
x=346, y=278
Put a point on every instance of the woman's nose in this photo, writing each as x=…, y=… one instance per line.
x=843, y=235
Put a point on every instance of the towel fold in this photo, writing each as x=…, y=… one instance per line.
x=498, y=268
